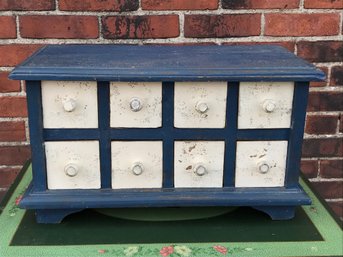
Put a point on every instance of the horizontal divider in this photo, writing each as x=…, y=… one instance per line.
x=141, y=134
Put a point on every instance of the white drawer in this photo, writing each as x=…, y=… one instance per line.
x=199, y=163
x=265, y=104
x=136, y=164
x=69, y=104
x=261, y=163
x=136, y=104
x=73, y=164
x=200, y=104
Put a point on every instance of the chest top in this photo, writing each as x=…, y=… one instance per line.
x=166, y=63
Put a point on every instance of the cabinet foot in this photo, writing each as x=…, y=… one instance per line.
x=278, y=212
x=51, y=216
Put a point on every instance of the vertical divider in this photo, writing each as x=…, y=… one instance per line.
x=301, y=90
x=34, y=105
x=168, y=140
x=104, y=132
x=231, y=133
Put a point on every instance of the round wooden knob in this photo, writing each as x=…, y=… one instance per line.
x=135, y=104
x=200, y=170
x=69, y=105
x=201, y=107
x=269, y=105
x=263, y=167
x=71, y=170
x=137, y=168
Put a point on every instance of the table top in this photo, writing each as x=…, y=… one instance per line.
x=166, y=63
x=242, y=232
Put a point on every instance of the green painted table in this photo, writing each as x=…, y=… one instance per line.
x=242, y=232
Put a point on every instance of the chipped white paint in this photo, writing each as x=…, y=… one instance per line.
x=69, y=104
x=260, y=163
x=265, y=104
x=199, y=163
x=200, y=104
x=136, y=104
x=136, y=164
x=73, y=164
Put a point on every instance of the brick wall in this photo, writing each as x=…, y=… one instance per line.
x=310, y=28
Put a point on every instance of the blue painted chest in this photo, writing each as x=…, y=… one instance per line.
x=164, y=126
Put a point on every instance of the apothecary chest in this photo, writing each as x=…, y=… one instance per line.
x=162, y=126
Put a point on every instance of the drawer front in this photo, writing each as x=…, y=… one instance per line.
x=136, y=164
x=265, y=105
x=136, y=104
x=69, y=104
x=73, y=164
x=199, y=163
x=261, y=163
x=200, y=104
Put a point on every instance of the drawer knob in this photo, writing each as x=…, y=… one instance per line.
x=136, y=104
x=71, y=170
x=263, y=167
x=69, y=105
x=200, y=170
x=137, y=168
x=269, y=105
x=201, y=107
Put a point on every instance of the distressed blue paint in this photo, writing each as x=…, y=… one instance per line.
x=104, y=132
x=166, y=63
x=231, y=134
x=301, y=91
x=34, y=106
x=140, y=134
x=105, y=198
x=167, y=131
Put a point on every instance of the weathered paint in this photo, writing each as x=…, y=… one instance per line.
x=84, y=155
x=57, y=95
x=123, y=94
x=127, y=154
x=252, y=156
x=256, y=97
x=189, y=97
x=191, y=154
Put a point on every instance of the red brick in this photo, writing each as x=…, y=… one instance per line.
x=321, y=51
x=337, y=207
x=8, y=85
x=11, y=55
x=179, y=4
x=337, y=76
x=99, y=5
x=7, y=176
x=323, y=4
x=27, y=5
x=313, y=24
x=329, y=189
x=152, y=26
x=321, y=124
x=13, y=106
x=226, y=25
x=290, y=45
x=331, y=168
x=14, y=155
x=12, y=131
x=260, y=4
x=321, y=83
x=59, y=26
x=322, y=147
x=8, y=27
x=309, y=168
x=325, y=101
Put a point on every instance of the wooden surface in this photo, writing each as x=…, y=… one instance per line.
x=166, y=63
